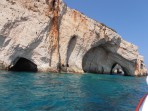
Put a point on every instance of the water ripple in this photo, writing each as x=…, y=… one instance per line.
x=69, y=92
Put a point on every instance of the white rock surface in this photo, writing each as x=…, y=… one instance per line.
x=57, y=38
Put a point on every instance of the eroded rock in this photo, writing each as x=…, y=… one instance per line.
x=23, y=65
x=117, y=69
x=57, y=38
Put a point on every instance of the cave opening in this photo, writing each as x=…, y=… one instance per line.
x=101, y=60
x=96, y=60
x=24, y=65
x=118, y=69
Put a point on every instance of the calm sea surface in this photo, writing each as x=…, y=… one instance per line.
x=69, y=92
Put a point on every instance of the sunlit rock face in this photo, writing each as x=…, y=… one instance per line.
x=59, y=39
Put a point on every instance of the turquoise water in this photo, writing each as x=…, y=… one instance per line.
x=69, y=92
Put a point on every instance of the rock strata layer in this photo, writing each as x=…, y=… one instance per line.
x=56, y=38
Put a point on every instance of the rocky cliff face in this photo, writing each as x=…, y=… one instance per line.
x=56, y=38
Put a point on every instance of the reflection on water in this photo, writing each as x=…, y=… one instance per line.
x=69, y=92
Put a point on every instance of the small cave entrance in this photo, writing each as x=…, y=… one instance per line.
x=118, y=69
x=24, y=65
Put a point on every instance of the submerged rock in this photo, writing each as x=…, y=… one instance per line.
x=57, y=38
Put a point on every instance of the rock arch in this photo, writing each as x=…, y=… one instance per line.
x=117, y=69
x=23, y=65
x=97, y=60
x=103, y=58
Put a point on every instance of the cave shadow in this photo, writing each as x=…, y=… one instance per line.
x=2, y=40
x=23, y=65
x=118, y=72
x=71, y=46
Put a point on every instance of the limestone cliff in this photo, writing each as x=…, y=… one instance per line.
x=56, y=38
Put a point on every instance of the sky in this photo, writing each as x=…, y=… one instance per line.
x=128, y=17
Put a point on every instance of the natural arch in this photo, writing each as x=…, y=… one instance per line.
x=96, y=60
x=24, y=65
x=117, y=69
x=103, y=58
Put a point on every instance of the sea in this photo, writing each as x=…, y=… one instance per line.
x=23, y=91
